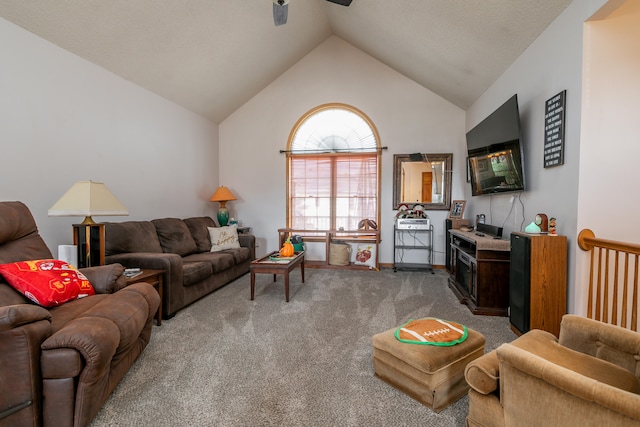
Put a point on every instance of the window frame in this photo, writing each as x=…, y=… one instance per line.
x=290, y=155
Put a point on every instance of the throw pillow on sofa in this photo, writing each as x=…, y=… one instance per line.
x=199, y=228
x=224, y=238
x=174, y=236
x=131, y=236
x=47, y=282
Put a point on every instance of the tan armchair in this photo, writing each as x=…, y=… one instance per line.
x=587, y=377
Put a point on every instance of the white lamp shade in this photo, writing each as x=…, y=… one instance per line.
x=87, y=198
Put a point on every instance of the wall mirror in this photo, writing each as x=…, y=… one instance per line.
x=422, y=179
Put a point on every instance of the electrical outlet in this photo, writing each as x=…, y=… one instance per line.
x=512, y=199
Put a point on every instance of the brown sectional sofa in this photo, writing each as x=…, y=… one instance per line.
x=59, y=365
x=180, y=247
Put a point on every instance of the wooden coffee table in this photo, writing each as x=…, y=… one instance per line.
x=267, y=266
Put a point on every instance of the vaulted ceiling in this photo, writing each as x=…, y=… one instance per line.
x=211, y=56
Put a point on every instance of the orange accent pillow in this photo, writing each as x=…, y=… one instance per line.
x=47, y=282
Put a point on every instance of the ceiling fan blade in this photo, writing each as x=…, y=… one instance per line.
x=341, y=2
x=280, y=13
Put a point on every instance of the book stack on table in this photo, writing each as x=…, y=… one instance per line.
x=130, y=273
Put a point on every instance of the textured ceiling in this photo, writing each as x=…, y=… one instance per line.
x=211, y=56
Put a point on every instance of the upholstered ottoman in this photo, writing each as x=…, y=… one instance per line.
x=432, y=375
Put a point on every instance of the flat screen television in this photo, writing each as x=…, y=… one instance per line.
x=495, y=150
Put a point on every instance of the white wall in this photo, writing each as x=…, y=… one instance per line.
x=551, y=64
x=608, y=200
x=63, y=119
x=409, y=119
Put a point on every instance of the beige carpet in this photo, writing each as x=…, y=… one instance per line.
x=230, y=361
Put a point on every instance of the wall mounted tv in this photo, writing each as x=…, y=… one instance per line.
x=495, y=150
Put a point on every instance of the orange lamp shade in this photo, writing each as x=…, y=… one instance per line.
x=222, y=194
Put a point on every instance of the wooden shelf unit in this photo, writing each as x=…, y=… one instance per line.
x=327, y=236
x=451, y=224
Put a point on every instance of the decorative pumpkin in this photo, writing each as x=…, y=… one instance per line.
x=287, y=249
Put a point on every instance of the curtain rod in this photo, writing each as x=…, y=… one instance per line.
x=329, y=151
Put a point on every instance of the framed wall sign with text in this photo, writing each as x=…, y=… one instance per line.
x=554, y=124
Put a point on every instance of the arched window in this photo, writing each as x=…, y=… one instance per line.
x=333, y=170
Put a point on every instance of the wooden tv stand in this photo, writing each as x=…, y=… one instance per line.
x=480, y=272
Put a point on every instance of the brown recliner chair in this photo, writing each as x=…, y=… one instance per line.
x=59, y=365
x=590, y=376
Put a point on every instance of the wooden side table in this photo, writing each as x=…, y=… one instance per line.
x=89, y=238
x=154, y=278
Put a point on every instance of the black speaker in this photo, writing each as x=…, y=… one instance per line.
x=494, y=230
x=519, y=283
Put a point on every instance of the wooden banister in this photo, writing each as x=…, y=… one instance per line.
x=610, y=278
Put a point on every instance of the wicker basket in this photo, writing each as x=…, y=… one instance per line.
x=339, y=253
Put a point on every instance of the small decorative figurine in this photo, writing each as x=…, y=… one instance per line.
x=404, y=212
x=552, y=227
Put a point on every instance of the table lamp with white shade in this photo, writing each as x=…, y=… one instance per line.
x=88, y=198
